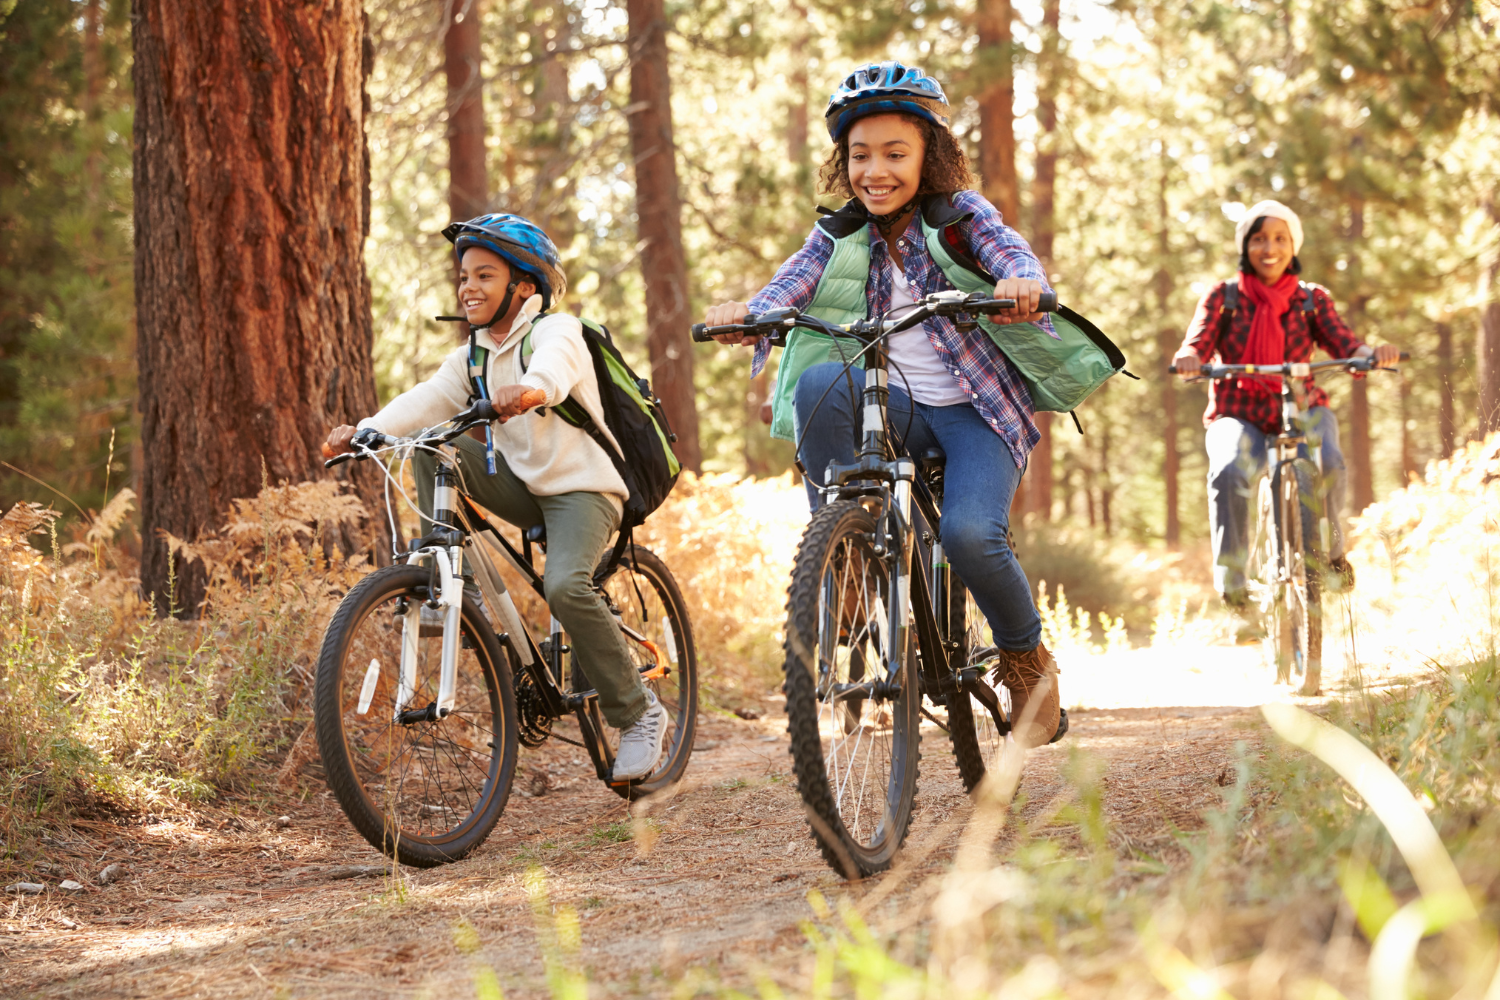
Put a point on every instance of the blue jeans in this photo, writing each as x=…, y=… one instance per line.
x=1236, y=460
x=980, y=478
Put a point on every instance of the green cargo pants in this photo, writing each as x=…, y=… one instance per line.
x=579, y=525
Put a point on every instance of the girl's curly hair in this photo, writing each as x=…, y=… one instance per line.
x=945, y=168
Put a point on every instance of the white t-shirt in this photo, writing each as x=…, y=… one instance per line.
x=915, y=364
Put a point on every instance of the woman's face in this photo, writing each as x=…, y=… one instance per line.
x=885, y=162
x=482, y=278
x=1270, y=250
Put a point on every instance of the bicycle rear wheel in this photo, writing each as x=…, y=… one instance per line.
x=977, y=738
x=651, y=606
x=425, y=791
x=855, y=757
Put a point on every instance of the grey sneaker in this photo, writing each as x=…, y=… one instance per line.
x=641, y=744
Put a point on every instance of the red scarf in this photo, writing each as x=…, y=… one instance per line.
x=1267, y=342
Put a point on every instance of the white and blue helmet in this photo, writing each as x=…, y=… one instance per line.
x=884, y=88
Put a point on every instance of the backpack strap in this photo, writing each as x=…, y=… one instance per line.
x=1228, y=306
x=479, y=389
x=1308, y=304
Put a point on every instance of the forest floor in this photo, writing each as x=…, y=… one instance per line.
x=227, y=902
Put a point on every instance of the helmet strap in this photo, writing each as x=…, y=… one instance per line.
x=885, y=222
x=500, y=313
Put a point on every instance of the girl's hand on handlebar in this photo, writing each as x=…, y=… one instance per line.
x=1028, y=295
x=726, y=313
x=1187, y=365
x=340, y=441
x=514, y=400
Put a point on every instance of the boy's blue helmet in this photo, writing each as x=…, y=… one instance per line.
x=521, y=242
x=882, y=88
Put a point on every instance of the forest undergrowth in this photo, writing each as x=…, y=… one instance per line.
x=1280, y=893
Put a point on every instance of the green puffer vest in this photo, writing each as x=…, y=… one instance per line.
x=1060, y=372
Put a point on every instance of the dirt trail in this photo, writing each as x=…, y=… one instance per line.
x=228, y=906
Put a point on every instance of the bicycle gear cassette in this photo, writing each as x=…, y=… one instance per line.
x=531, y=711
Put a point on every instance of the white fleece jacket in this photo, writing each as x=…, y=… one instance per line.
x=547, y=453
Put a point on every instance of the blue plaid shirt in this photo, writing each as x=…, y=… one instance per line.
x=979, y=367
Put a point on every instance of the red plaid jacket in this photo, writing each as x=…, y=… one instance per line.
x=1207, y=338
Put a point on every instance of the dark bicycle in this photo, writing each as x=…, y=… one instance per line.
x=1287, y=560
x=418, y=721
x=877, y=620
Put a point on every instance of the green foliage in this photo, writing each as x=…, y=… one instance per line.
x=67, y=367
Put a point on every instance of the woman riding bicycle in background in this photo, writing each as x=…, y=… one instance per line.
x=1265, y=316
x=953, y=389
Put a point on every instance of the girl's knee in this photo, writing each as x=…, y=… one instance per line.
x=984, y=537
x=567, y=588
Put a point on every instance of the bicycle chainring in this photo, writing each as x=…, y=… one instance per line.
x=531, y=711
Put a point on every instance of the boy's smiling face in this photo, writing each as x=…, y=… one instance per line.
x=483, y=276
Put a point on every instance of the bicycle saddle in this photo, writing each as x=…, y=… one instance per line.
x=537, y=534
x=934, y=459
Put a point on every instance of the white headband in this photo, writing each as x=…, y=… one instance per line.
x=1273, y=210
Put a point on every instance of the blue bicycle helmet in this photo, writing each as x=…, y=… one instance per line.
x=881, y=88
x=522, y=244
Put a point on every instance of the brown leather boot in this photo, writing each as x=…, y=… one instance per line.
x=1035, y=702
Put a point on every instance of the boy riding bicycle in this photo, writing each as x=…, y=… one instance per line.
x=548, y=472
x=1265, y=316
x=950, y=388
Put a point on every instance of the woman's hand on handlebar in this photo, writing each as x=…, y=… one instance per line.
x=726, y=313
x=514, y=400
x=1386, y=355
x=1187, y=365
x=340, y=441
x=1028, y=295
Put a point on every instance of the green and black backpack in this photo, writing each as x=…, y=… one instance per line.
x=634, y=415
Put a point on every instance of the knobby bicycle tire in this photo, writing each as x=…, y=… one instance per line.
x=859, y=819
x=651, y=603
x=428, y=792
x=1301, y=618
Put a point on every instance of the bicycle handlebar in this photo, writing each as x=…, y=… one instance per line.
x=1290, y=369
x=480, y=412
x=775, y=324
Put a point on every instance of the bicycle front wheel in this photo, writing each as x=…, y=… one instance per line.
x=854, y=747
x=660, y=638
x=1300, y=615
x=426, y=790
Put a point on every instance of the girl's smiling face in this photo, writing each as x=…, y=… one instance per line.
x=1270, y=250
x=885, y=162
x=482, y=279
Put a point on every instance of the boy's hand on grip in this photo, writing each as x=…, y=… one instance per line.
x=726, y=313
x=1028, y=295
x=339, y=441
x=514, y=400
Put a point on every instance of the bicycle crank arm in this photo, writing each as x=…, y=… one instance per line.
x=986, y=697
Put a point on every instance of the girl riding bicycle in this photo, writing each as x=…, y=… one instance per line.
x=547, y=471
x=1265, y=316
x=951, y=388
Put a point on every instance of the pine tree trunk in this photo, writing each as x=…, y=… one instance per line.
x=1044, y=227
x=1447, y=426
x=253, y=307
x=468, y=179
x=1167, y=340
x=1408, y=458
x=997, y=133
x=1487, y=348
x=796, y=128
x=660, y=226
x=1357, y=455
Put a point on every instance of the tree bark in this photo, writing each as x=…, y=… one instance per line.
x=1044, y=225
x=1488, y=347
x=1357, y=456
x=796, y=129
x=1409, y=470
x=1447, y=426
x=660, y=225
x=468, y=179
x=251, y=210
x=997, y=133
x=1167, y=340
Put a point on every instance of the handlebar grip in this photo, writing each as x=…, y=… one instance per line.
x=327, y=450
x=348, y=456
x=1171, y=369
x=533, y=397
x=1048, y=302
x=1405, y=356
x=700, y=333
